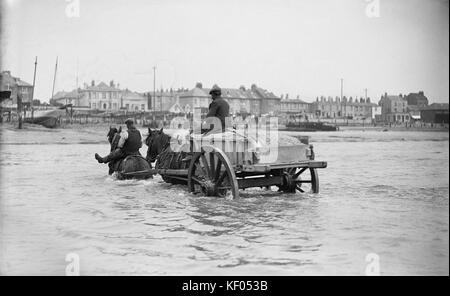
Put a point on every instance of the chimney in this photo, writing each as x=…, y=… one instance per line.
x=242, y=88
x=253, y=87
x=93, y=83
x=111, y=83
x=199, y=85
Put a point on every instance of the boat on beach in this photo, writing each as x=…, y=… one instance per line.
x=307, y=126
x=47, y=118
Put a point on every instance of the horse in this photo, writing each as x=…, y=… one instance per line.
x=132, y=166
x=159, y=150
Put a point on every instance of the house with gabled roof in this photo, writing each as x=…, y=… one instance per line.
x=16, y=86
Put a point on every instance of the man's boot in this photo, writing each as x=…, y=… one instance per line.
x=99, y=158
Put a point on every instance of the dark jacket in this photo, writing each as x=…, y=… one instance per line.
x=219, y=108
x=133, y=143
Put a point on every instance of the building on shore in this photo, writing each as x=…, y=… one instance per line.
x=345, y=108
x=435, y=113
x=16, y=86
x=242, y=101
x=394, y=109
x=133, y=101
x=94, y=96
x=417, y=99
x=162, y=100
x=294, y=106
x=111, y=98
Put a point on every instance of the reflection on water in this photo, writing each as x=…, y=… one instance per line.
x=383, y=193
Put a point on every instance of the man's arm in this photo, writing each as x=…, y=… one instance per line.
x=123, y=138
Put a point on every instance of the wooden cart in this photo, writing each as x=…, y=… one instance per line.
x=213, y=171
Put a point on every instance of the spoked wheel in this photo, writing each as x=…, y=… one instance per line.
x=212, y=174
x=301, y=180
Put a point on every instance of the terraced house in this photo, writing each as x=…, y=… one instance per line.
x=345, y=108
x=255, y=100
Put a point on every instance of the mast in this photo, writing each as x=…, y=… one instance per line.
x=154, y=88
x=34, y=83
x=54, y=77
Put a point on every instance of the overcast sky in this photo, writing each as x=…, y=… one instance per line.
x=297, y=47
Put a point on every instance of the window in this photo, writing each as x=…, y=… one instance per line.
x=104, y=106
x=142, y=107
x=127, y=106
x=94, y=105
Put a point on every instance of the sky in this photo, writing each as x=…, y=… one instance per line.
x=302, y=48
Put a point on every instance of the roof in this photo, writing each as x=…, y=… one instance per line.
x=66, y=95
x=436, y=106
x=293, y=101
x=131, y=95
x=195, y=92
x=394, y=98
x=102, y=87
x=20, y=82
x=255, y=93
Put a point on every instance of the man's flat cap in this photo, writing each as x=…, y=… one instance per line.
x=215, y=89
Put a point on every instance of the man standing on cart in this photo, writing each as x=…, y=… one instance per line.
x=219, y=108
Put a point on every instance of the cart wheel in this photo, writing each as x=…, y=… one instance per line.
x=301, y=179
x=212, y=174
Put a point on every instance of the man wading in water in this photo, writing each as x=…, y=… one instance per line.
x=129, y=143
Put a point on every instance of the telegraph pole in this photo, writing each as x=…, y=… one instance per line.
x=32, y=93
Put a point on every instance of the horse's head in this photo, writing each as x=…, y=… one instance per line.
x=113, y=135
x=110, y=135
x=157, y=141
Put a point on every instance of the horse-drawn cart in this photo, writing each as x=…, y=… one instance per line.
x=219, y=166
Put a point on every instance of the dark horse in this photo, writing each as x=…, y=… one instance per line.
x=132, y=166
x=159, y=150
